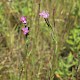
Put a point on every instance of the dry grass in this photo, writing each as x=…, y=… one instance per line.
x=33, y=58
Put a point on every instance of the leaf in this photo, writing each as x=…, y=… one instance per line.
x=70, y=58
x=70, y=42
x=59, y=72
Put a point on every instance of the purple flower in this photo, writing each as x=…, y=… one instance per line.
x=23, y=19
x=44, y=14
x=25, y=30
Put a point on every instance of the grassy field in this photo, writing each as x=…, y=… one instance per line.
x=51, y=49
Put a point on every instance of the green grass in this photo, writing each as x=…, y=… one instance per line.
x=38, y=57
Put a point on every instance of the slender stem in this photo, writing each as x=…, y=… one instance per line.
x=54, y=37
x=49, y=25
x=47, y=22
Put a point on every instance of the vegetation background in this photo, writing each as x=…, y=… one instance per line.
x=38, y=57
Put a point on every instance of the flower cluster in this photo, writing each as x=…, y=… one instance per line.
x=23, y=19
x=44, y=14
x=24, y=29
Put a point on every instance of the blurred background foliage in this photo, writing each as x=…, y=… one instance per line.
x=33, y=58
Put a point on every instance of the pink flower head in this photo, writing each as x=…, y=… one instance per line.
x=44, y=14
x=25, y=30
x=23, y=19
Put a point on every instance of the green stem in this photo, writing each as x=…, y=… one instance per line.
x=55, y=56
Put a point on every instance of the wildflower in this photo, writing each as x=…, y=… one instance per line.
x=44, y=14
x=23, y=19
x=25, y=30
